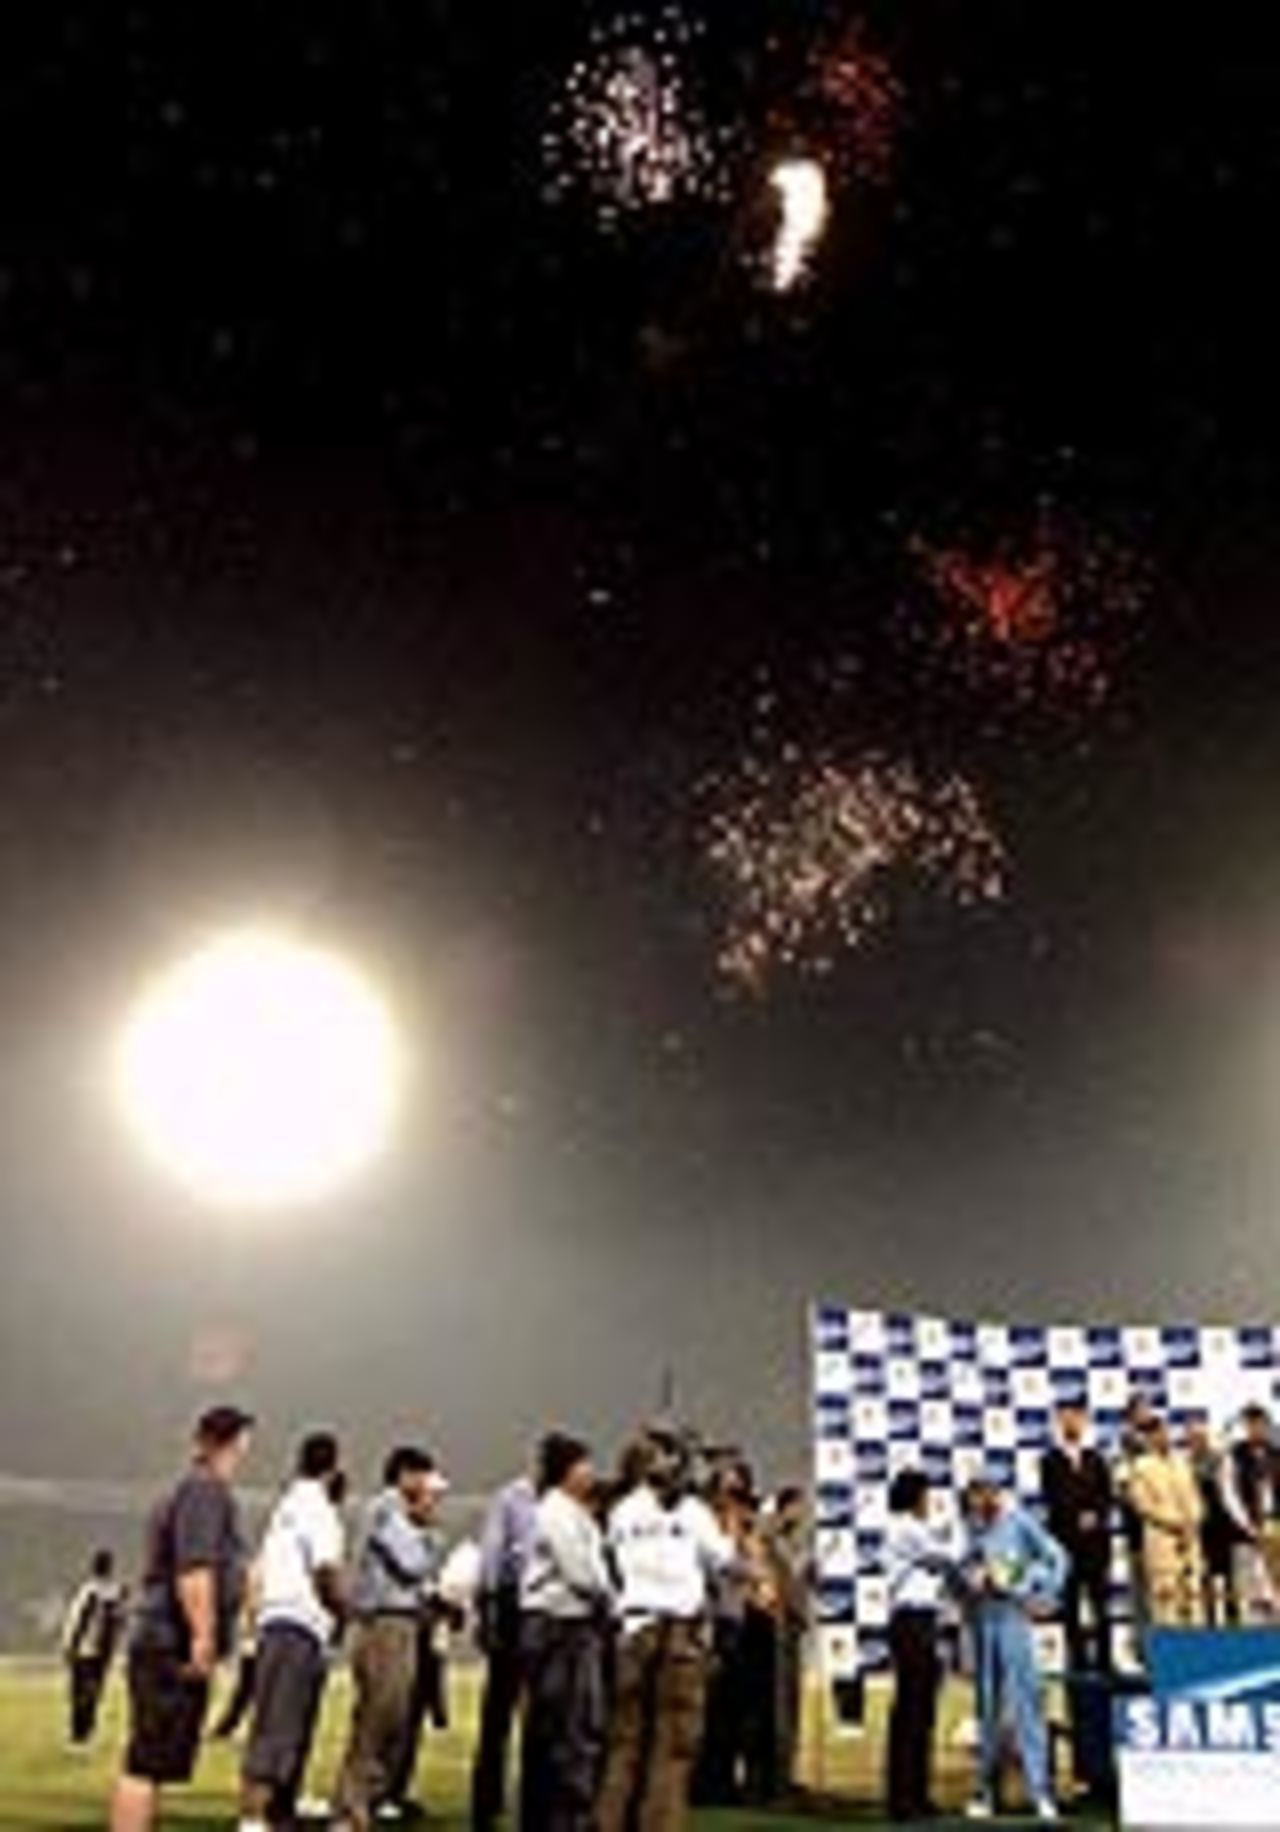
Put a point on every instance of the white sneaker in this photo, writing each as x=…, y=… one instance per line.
x=1046, y=1809
x=980, y=1807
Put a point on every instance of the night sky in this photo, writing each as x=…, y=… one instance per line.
x=396, y=537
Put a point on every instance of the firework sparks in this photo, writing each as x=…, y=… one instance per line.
x=845, y=108
x=801, y=186
x=627, y=130
x=809, y=853
x=859, y=96
x=1042, y=619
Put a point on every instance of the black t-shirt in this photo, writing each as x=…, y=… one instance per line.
x=195, y=1527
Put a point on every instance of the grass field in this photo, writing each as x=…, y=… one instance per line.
x=43, y=1785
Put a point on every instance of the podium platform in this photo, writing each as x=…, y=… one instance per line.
x=1200, y=1751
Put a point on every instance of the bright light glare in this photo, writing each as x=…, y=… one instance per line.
x=260, y=1072
x=801, y=185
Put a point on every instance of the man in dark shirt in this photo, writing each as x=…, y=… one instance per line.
x=1076, y=1484
x=185, y=1624
x=1219, y=1532
x=1251, y=1491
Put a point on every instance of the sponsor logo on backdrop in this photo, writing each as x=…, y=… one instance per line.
x=1204, y=1749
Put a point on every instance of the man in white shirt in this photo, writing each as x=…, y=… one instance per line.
x=917, y=1564
x=301, y=1604
x=565, y=1597
x=666, y=1547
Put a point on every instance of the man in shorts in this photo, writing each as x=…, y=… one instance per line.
x=185, y=1624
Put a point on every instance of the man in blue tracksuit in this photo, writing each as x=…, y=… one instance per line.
x=1014, y=1571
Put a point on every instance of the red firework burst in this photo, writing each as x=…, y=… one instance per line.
x=860, y=96
x=1043, y=617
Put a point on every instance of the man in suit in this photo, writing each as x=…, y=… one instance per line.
x=1076, y=1484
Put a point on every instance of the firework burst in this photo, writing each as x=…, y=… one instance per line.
x=834, y=135
x=859, y=96
x=811, y=852
x=804, y=207
x=1042, y=619
x=627, y=131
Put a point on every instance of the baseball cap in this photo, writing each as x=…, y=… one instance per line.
x=221, y=1425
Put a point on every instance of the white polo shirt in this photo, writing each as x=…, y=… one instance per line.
x=304, y=1535
x=565, y=1574
x=665, y=1557
x=917, y=1562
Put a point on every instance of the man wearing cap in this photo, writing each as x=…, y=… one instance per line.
x=301, y=1602
x=395, y=1567
x=190, y=1597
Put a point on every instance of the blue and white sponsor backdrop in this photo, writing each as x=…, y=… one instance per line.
x=894, y=1391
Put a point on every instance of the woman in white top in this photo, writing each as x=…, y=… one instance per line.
x=917, y=1565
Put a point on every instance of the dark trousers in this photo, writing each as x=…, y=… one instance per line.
x=427, y=1703
x=237, y=1706
x=564, y=1719
x=717, y=1779
x=759, y=1727
x=502, y=1687
x=1089, y=1580
x=289, y=1687
x=913, y=1646
x=86, y=1679
x=789, y=1696
x=1221, y=1599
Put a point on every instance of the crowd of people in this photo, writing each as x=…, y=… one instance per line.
x=643, y=1631
x=1201, y=1519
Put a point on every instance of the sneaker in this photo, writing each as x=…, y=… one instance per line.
x=980, y=1807
x=1046, y=1809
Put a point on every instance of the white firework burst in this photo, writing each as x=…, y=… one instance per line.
x=627, y=130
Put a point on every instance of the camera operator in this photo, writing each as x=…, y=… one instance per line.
x=667, y=1549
